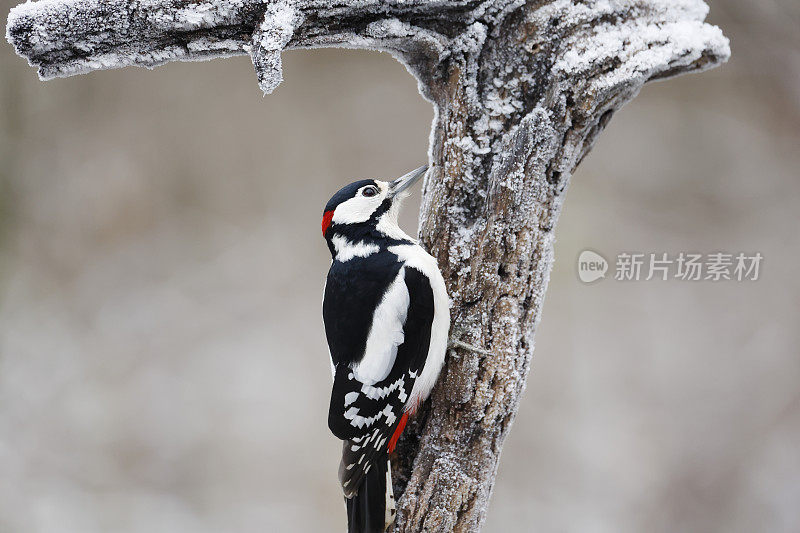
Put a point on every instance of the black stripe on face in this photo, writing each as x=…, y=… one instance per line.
x=383, y=208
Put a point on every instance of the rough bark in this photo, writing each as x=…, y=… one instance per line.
x=521, y=90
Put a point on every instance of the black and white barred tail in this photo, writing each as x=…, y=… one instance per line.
x=371, y=509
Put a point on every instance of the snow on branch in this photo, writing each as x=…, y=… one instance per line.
x=68, y=37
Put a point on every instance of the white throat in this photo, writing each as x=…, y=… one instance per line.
x=387, y=223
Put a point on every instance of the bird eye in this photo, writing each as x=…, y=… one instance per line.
x=369, y=191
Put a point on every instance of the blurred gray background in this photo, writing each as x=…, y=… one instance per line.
x=162, y=361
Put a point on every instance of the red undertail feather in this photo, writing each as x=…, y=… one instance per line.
x=400, y=426
x=326, y=221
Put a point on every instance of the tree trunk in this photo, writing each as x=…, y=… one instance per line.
x=521, y=90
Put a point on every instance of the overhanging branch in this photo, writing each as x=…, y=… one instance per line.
x=65, y=37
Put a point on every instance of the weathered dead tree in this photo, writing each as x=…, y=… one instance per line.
x=521, y=90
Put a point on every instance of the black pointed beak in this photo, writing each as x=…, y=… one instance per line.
x=404, y=182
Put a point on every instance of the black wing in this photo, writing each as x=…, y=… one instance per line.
x=367, y=416
x=352, y=292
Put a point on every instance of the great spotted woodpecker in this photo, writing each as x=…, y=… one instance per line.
x=387, y=317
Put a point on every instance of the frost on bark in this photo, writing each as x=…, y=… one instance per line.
x=520, y=89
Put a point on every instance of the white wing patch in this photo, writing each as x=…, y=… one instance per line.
x=386, y=333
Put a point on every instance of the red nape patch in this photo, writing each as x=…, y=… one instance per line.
x=326, y=221
x=400, y=427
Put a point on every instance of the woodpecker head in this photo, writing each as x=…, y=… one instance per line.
x=367, y=209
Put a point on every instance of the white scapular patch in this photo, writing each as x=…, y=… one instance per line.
x=385, y=334
x=414, y=256
x=346, y=250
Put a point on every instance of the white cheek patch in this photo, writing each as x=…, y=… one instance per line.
x=356, y=210
x=359, y=208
